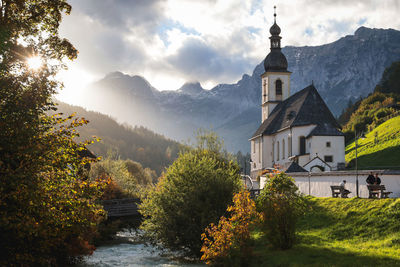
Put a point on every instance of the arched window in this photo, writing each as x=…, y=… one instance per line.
x=277, y=150
x=283, y=148
x=289, y=146
x=302, y=145
x=278, y=89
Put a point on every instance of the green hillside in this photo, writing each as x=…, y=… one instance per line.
x=380, y=148
x=139, y=144
x=340, y=232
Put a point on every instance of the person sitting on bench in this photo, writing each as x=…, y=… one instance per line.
x=370, y=178
x=345, y=191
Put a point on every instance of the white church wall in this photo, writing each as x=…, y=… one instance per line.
x=285, y=78
x=267, y=149
x=335, y=149
x=283, y=155
x=256, y=154
x=318, y=184
x=297, y=132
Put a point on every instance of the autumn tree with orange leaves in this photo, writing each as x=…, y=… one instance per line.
x=228, y=243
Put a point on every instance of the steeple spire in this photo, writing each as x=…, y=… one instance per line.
x=275, y=61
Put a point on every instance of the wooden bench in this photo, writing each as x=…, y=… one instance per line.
x=376, y=190
x=339, y=190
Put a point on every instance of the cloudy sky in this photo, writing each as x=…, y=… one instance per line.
x=170, y=42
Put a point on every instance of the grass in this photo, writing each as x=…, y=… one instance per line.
x=340, y=232
x=382, y=152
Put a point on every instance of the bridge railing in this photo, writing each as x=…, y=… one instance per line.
x=121, y=207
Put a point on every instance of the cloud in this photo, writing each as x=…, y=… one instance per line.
x=212, y=41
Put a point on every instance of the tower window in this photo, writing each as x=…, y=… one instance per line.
x=328, y=158
x=265, y=90
x=278, y=89
x=328, y=144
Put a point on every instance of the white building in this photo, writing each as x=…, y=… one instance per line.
x=297, y=131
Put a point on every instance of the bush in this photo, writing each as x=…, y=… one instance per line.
x=280, y=204
x=228, y=242
x=194, y=192
x=127, y=178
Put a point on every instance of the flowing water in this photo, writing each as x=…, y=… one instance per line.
x=128, y=251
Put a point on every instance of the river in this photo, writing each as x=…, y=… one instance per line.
x=128, y=251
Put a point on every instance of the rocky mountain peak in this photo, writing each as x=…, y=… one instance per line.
x=191, y=88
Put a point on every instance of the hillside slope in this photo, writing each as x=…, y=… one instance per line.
x=380, y=148
x=341, y=232
x=139, y=144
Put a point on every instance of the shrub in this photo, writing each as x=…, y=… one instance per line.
x=228, y=242
x=280, y=204
x=194, y=192
x=127, y=178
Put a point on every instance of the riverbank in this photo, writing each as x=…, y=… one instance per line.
x=340, y=232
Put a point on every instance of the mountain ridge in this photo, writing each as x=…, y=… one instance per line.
x=341, y=71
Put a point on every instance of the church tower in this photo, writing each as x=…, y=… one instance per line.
x=276, y=79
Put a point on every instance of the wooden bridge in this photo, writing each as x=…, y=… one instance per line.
x=121, y=207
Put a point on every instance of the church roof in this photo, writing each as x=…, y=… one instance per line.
x=305, y=107
x=293, y=167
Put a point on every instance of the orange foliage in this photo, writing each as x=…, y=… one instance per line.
x=229, y=240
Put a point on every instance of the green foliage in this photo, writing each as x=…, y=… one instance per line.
x=228, y=243
x=379, y=149
x=367, y=114
x=139, y=144
x=194, y=192
x=390, y=82
x=128, y=178
x=47, y=203
x=281, y=205
x=340, y=232
x=47, y=210
x=244, y=162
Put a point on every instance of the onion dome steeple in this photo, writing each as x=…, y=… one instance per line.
x=275, y=60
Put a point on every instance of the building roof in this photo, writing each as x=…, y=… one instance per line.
x=275, y=61
x=305, y=107
x=293, y=167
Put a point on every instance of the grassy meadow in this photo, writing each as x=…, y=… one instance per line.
x=381, y=147
x=340, y=232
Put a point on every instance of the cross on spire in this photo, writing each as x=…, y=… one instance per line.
x=274, y=14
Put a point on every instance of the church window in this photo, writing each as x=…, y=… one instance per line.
x=265, y=90
x=277, y=150
x=328, y=158
x=328, y=144
x=283, y=148
x=289, y=146
x=278, y=89
x=259, y=150
x=302, y=143
x=254, y=146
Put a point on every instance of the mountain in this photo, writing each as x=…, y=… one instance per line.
x=341, y=71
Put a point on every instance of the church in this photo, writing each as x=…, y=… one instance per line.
x=298, y=132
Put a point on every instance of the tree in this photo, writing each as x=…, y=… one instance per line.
x=281, y=204
x=227, y=244
x=193, y=192
x=47, y=205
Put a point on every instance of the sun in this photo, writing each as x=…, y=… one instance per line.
x=34, y=63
